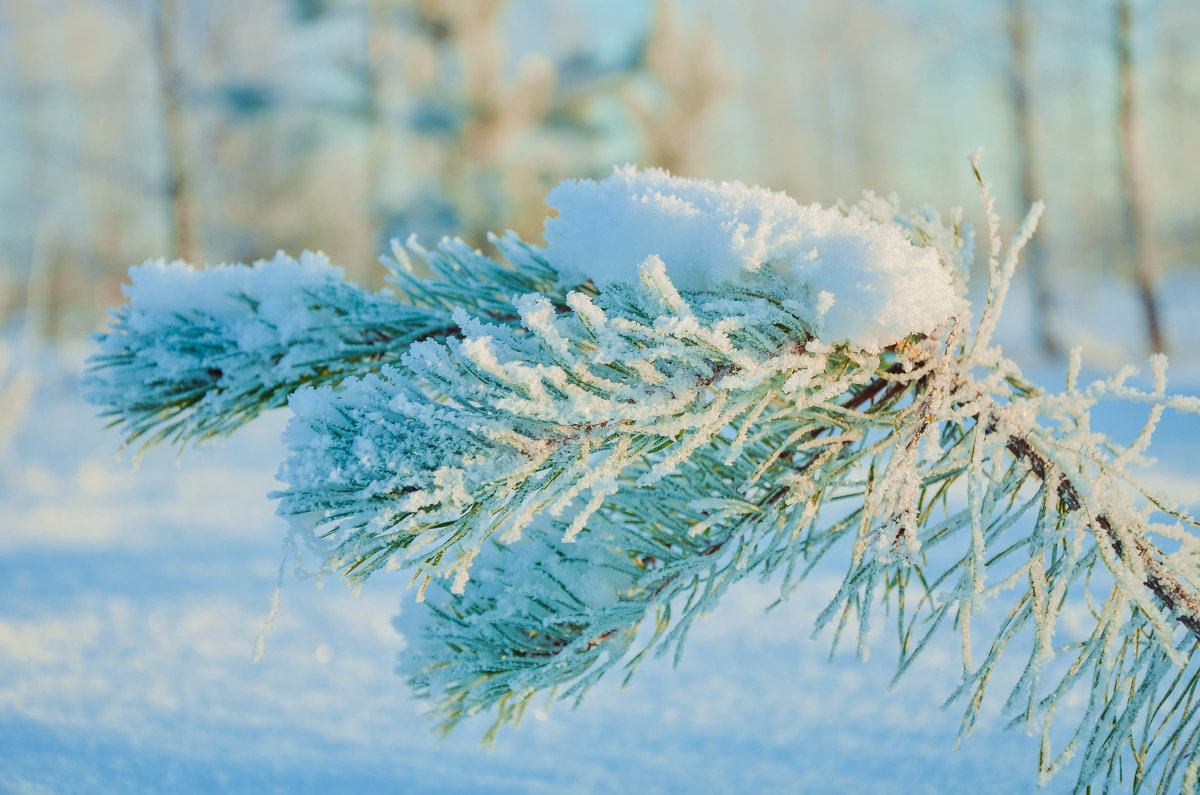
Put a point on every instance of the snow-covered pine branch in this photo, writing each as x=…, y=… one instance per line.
x=578, y=451
x=196, y=354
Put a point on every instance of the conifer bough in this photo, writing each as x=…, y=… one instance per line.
x=577, y=449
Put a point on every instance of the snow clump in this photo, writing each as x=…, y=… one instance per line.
x=276, y=290
x=862, y=282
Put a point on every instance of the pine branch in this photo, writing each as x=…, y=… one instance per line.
x=575, y=475
x=197, y=354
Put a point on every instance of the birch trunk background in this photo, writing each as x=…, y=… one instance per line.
x=183, y=218
x=1136, y=210
x=1020, y=83
x=37, y=299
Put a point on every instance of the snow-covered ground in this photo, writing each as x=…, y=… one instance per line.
x=132, y=599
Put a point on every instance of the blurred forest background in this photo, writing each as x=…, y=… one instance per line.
x=223, y=130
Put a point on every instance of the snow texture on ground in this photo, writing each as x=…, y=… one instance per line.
x=133, y=597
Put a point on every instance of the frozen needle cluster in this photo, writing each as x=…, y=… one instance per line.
x=577, y=450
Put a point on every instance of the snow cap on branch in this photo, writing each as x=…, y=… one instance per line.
x=863, y=282
x=160, y=291
x=159, y=286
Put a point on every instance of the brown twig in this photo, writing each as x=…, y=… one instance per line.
x=1183, y=604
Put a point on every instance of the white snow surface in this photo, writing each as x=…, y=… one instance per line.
x=862, y=282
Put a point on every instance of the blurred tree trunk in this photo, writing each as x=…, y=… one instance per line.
x=378, y=19
x=775, y=102
x=692, y=76
x=1180, y=25
x=183, y=219
x=30, y=47
x=474, y=172
x=482, y=174
x=1136, y=211
x=1020, y=81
